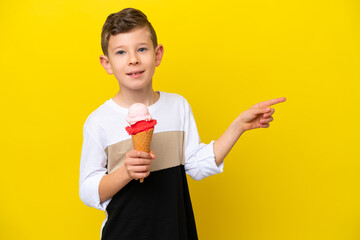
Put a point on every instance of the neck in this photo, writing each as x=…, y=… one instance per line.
x=127, y=98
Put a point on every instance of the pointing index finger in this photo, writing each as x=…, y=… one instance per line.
x=270, y=102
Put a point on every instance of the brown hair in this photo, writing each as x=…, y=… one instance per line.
x=124, y=21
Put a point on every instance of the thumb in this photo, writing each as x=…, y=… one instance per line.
x=261, y=110
x=152, y=154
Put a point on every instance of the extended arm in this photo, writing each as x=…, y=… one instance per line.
x=227, y=140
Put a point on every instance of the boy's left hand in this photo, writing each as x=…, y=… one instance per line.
x=259, y=115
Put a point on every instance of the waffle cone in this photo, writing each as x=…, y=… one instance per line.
x=141, y=142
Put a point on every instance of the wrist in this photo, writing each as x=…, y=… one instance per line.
x=123, y=174
x=238, y=126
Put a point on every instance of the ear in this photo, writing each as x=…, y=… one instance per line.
x=104, y=60
x=159, y=51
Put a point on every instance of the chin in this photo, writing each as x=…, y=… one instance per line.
x=139, y=86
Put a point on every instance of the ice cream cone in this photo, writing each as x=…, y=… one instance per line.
x=141, y=142
x=141, y=127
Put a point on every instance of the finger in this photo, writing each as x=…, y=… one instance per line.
x=142, y=175
x=266, y=115
x=269, y=102
x=139, y=154
x=139, y=169
x=139, y=161
x=274, y=101
x=257, y=111
x=265, y=125
x=266, y=120
x=138, y=175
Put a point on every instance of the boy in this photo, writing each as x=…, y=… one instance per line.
x=160, y=207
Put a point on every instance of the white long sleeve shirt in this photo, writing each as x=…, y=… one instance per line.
x=176, y=142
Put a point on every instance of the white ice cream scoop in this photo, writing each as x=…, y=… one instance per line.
x=138, y=112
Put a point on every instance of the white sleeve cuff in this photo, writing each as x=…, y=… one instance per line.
x=89, y=192
x=202, y=163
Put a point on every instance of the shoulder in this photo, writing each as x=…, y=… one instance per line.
x=174, y=106
x=174, y=98
x=97, y=117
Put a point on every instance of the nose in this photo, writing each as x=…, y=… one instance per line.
x=133, y=59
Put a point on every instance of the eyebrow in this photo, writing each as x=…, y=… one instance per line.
x=121, y=46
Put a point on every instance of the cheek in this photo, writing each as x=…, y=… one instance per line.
x=118, y=69
x=150, y=63
x=118, y=73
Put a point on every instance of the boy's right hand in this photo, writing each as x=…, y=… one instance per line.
x=137, y=163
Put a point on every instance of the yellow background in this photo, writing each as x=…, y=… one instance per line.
x=298, y=179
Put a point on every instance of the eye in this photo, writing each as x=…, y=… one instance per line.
x=142, y=49
x=121, y=52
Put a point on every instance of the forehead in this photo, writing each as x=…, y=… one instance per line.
x=131, y=38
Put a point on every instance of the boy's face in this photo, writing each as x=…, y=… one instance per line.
x=132, y=58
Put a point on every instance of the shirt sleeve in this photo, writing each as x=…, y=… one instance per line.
x=199, y=157
x=92, y=169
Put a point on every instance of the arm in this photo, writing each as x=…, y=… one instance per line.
x=258, y=116
x=199, y=157
x=92, y=169
x=227, y=140
x=96, y=186
x=111, y=183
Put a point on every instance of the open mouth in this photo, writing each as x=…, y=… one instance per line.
x=135, y=73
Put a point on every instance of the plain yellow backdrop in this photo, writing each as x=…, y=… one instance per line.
x=298, y=179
